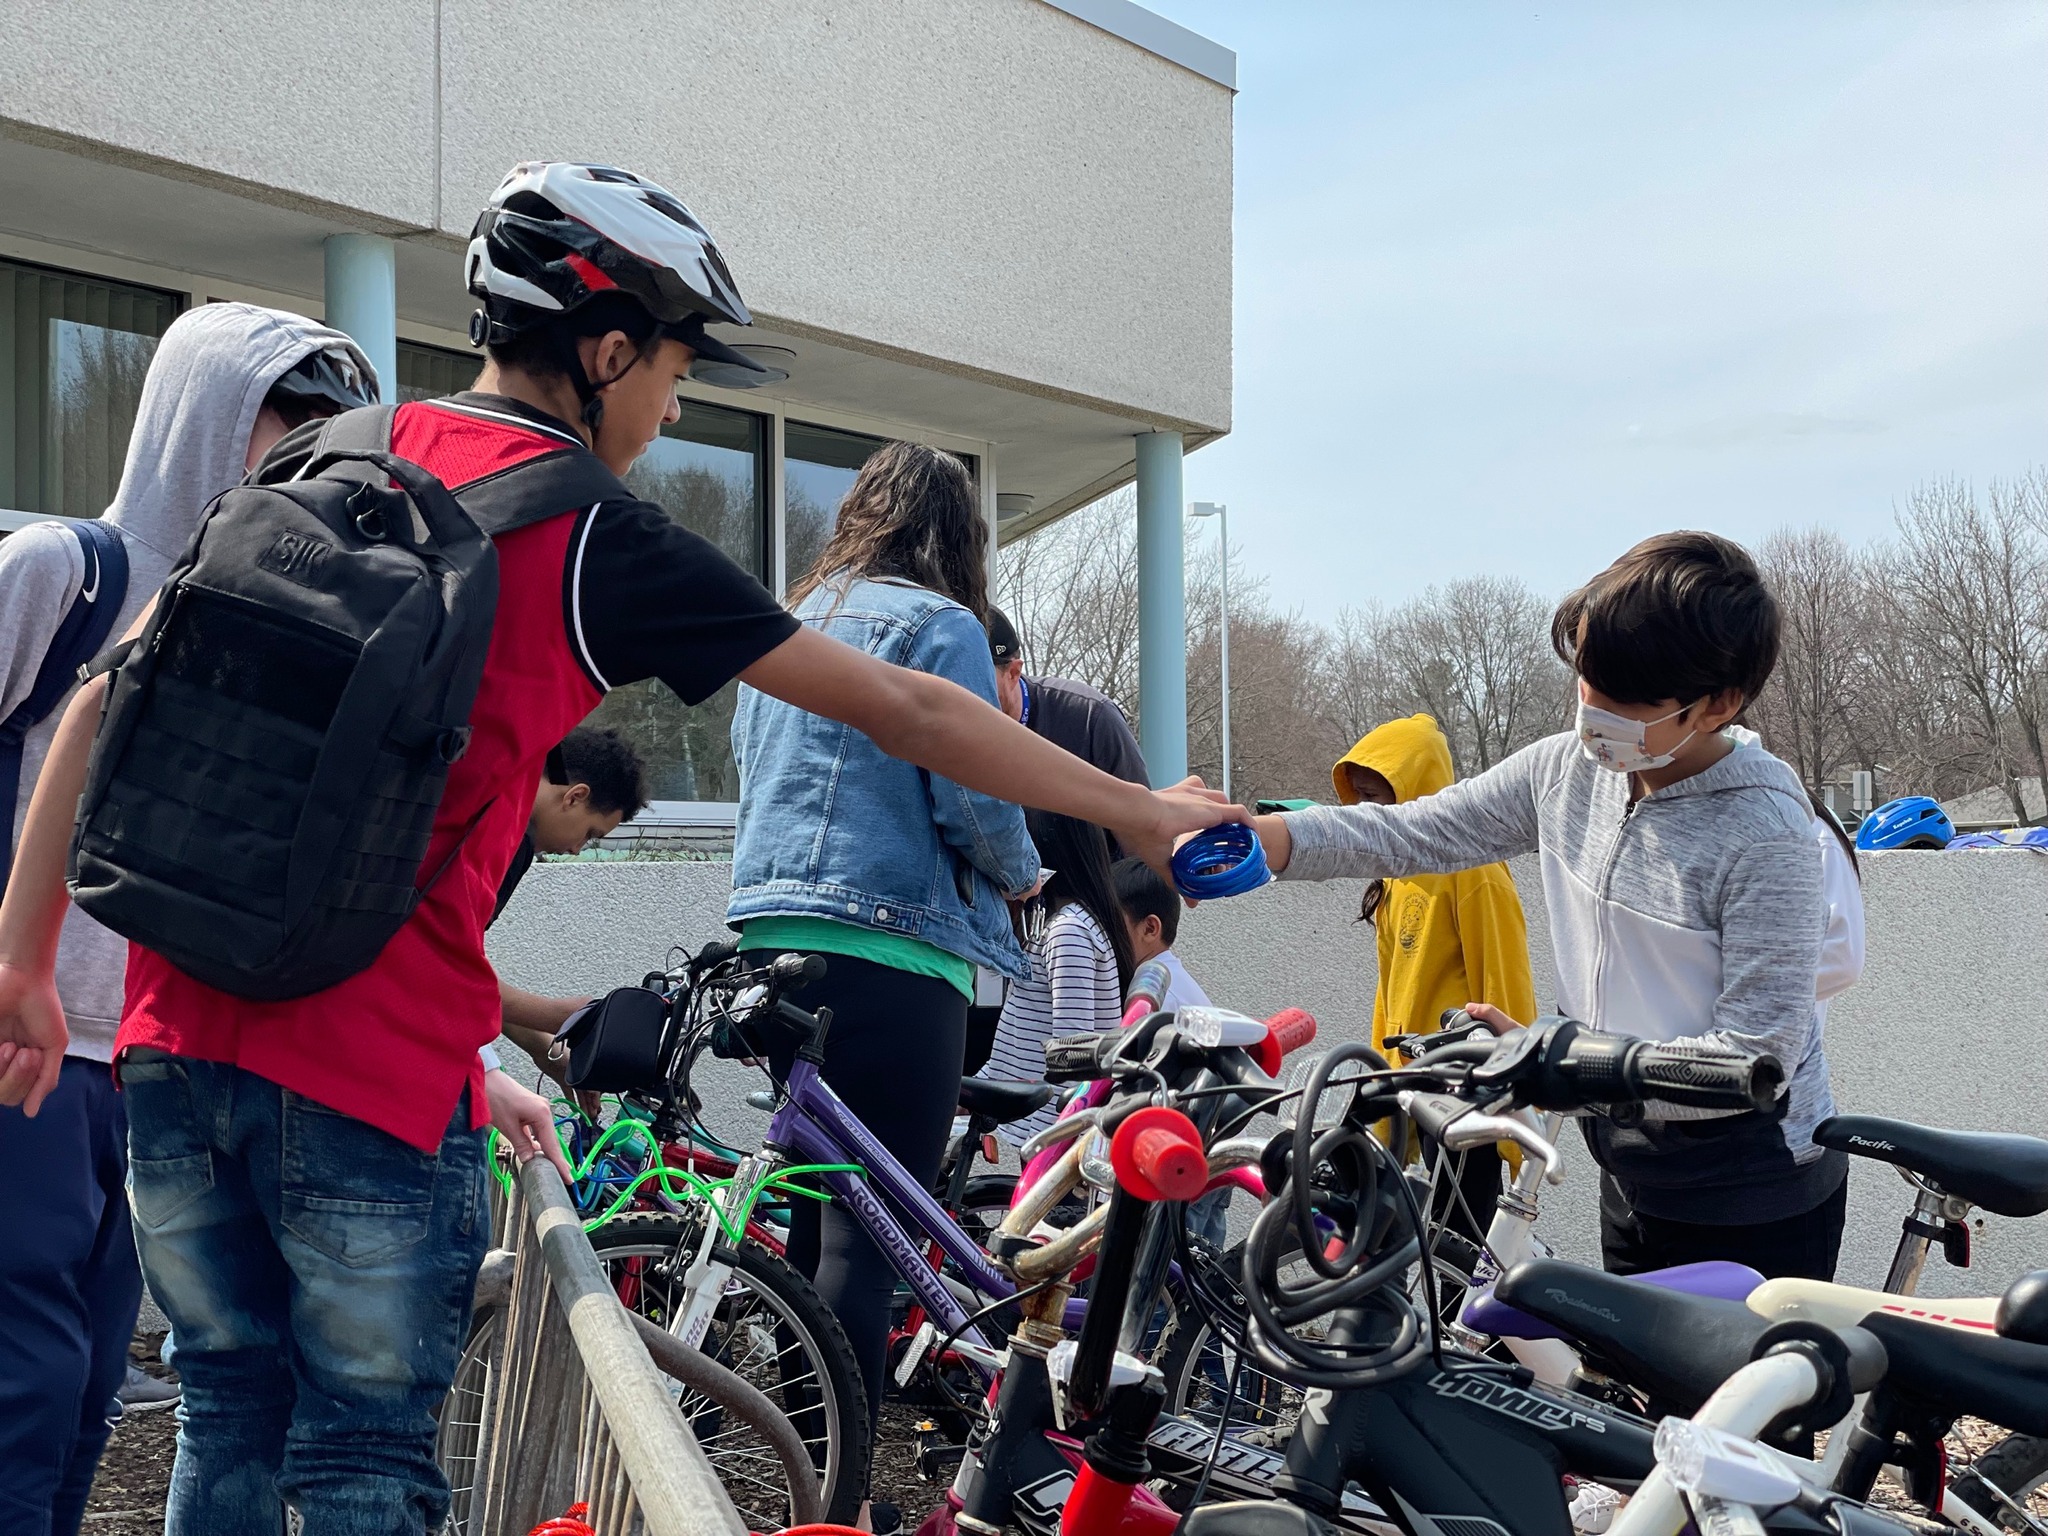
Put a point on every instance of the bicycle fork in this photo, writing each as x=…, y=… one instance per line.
x=704, y=1282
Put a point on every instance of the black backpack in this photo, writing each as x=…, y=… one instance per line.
x=276, y=741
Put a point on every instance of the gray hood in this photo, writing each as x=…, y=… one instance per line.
x=191, y=439
x=199, y=402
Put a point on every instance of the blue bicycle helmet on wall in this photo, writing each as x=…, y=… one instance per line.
x=1917, y=821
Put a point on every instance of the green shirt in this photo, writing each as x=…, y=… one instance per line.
x=829, y=936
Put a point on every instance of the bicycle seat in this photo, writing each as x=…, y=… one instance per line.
x=1004, y=1102
x=1843, y=1306
x=1979, y=1374
x=1486, y=1313
x=2023, y=1311
x=2006, y=1174
x=1676, y=1347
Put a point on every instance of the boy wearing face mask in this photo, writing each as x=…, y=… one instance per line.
x=1685, y=901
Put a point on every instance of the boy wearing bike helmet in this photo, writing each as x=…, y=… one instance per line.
x=309, y=1174
x=1684, y=892
x=225, y=383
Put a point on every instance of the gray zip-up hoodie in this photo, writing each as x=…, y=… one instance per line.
x=205, y=384
x=1696, y=912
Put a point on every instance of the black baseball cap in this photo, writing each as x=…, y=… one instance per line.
x=1003, y=642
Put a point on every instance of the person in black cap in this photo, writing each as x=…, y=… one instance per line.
x=1083, y=720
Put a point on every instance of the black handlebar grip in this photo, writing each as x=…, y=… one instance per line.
x=792, y=968
x=1076, y=1058
x=1704, y=1077
x=717, y=952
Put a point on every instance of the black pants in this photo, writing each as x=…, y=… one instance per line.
x=1803, y=1247
x=893, y=1054
x=69, y=1287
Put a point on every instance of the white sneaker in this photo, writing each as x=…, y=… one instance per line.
x=1593, y=1508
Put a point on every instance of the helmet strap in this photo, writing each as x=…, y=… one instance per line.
x=589, y=393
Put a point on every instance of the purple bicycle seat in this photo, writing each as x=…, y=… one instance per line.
x=1714, y=1277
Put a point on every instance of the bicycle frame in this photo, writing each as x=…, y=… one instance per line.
x=815, y=1126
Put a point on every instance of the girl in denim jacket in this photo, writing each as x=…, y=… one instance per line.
x=898, y=876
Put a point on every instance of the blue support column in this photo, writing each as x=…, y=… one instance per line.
x=1162, y=610
x=362, y=300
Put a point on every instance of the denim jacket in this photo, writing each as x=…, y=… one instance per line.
x=832, y=826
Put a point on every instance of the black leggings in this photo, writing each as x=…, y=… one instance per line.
x=893, y=1054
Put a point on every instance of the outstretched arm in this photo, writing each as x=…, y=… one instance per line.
x=940, y=726
x=1475, y=821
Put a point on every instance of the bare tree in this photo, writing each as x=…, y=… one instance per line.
x=1964, y=583
x=1806, y=714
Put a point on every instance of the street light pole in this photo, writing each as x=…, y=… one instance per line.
x=1222, y=515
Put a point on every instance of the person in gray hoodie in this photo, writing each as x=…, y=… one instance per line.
x=1685, y=898
x=226, y=382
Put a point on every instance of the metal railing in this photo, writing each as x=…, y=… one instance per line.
x=572, y=1409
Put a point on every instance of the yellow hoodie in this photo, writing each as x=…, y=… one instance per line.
x=1445, y=940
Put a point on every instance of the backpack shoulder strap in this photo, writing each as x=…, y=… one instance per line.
x=365, y=427
x=79, y=637
x=540, y=488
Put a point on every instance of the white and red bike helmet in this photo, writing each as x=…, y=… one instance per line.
x=557, y=234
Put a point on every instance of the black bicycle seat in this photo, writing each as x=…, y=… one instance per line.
x=2006, y=1174
x=1677, y=1348
x=2023, y=1310
x=1980, y=1374
x=1004, y=1102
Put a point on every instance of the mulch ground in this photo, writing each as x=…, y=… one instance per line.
x=135, y=1474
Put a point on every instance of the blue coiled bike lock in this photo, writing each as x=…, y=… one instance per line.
x=1226, y=860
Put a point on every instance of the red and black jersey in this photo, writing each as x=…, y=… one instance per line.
x=601, y=595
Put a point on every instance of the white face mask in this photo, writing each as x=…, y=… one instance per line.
x=1617, y=742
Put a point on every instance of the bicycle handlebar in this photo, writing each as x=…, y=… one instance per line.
x=1157, y=1154
x=1561, y=1065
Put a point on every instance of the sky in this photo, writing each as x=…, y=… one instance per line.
x=1517, y=286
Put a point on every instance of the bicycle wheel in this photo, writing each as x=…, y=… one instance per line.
x=2016, y=1466
x=769, y=1327
x=1198, y=1362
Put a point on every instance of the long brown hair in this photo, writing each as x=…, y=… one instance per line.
x=910, y=514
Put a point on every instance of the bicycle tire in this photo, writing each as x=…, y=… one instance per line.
x=833, y=1420
x=2017, y=1465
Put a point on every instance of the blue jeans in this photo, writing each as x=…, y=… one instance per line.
x=69, y=1289
x=317, y=1273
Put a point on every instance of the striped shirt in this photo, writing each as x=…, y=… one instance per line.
x=1073, y=988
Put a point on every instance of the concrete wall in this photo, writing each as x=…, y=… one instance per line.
x=1946, y=1027
x=996, y=186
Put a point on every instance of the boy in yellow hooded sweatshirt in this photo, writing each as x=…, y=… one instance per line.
x=1444, y=940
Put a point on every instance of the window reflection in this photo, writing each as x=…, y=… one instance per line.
x=73, y=353
x=819, y=466
x=427, y=373
x=707, y=471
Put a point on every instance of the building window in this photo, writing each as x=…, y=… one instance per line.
x=709, y=470
x=428, y=373
x=819, y=465
x=73, y=352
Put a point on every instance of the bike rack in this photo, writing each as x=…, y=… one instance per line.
x=574, y=1408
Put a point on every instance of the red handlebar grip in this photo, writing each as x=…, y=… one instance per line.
x=1288, y=1030
x=1292, y=1028
x=1157, y=1154
x=1177, y=1168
